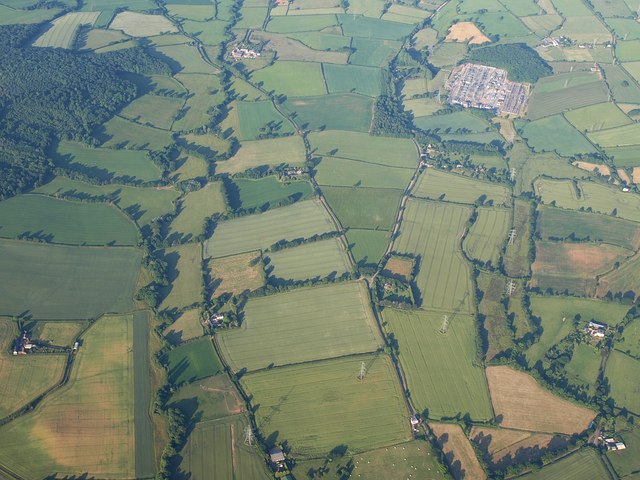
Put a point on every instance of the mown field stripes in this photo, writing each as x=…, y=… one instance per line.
x=313, y=260
x=145, y=452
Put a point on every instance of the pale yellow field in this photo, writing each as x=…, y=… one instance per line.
x=602, y=169
x=454, y=443
x=237, y=273
x=636, y=175
x=186, y=327
x=142, y=25
x=503, y=442
x=272, y=152
x=624, y=176
x=466, y=31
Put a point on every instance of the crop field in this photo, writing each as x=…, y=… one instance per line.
x=67, y=222
x=439, y=185
x=108, y=164
x=584, y=29
x=313, y=260
x=269, y=152
x=255, y=118
x=462, y=120
x=66, y=282
x=623, y=373
x=24, y=378
x=367, y=246
x=356, y=173
x=185, y=276
x=557, y=223
x=583, y=464
x=597, y=117
x=194, y=209
x=369, y=208
x=186, y=327
x=236, y=273
x=140, y=204
x=542, y=25
x=359, y=26
x=599, y=198
x=624, y=156
x=442, y=370
x=97, y=38
x=302, y=23
x=266, y=192
x=308, y=78
x=353, y=78
x=253, y=232
x=525, y=405
x=487, y=234
x=98, y=402
x=142, y=25
x=314, y=113
x=433, y=231
x=199, y=13
x=57, y=332
x=299, y=404
x=392, y=152
x=302, y=325
x=555, y=134
x=553, y=102
x=62, y=32
x=458, y=451
x=121, y=133
x=573, y=266
x=466, y=31
x=192, y=361
x=616, y=137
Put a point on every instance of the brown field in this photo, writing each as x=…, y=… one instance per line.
x=512, y=446
x=466, y=31
x=600, y=169
x=506, y=128
x=636, y=174
x=624, y=176
x=519, y=402
x=186, y=327
x=458, y=451
x=399, y=266
x=236, y=273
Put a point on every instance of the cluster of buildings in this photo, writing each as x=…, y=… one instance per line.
x=238, y=52
x=22, y=345
x=611, y=443
x=480, y=86
x=596, y=330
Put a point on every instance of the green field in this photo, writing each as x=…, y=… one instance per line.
x=625, y=28
x=195, y=112
x=107, y=164
x=10, y=16
x=626, y=464
x=121, y=133
x=62, y=31
x=629, y=343
x=623, y=373
x=254, y=232
x=52, y=281
x=57, y=332
x=321, y=40
x=301, y=326
x=255, y=118
x=447, y=53
x=63, y=221
x=308, y=79
x=141, y=204
x=192, y=361
x=555, y=134
x=562, y=81
x=628, y=51
x=624, y=156
x=450, y=187
x=599, y=198
x=186, y=58
x=153, y=110
x=260, y=153
x=315, y=113
x=551, y=311
x=583, y=464
x=493, y=316
x=303, y=23
x=367, y=246
x=99, y=397
x=313, y=260
x=194, y=209
x=353, y=79
x=298, y=404
x=359, y=26
x=557, y=223
x=617, y=137
x=597, y=117
x=622, y=86
x=433, y=231
x=462, y=121
x=368, y=208
x=550, y=103
x=265, y=192
x=487, y=235
x=24, y=378
x=211, y=398
x=185, y=276
x=372, y=52
x=584, y=365
x=443, y=374
x=356, y=173
x=393, y=152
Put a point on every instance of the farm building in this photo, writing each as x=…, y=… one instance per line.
x=596, y=330
x=278, y=461
x=612, y=444
x=22, y=345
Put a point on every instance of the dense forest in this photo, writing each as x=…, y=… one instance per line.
x=521, y=61
x=48, y=94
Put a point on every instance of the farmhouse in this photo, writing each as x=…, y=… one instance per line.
x=278, y=461
x=415, y=423
x=238, y=53
x=22, y=345
x=596, y=330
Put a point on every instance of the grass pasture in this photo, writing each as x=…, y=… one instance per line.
x=255, y=118
x=24, y=378
x=194, y=210
x=186, y=59
x=624, y=156
x=301, y=326
x=318, y=113
x=260, y=231
x=450, y=187
x=623, y=373
x=308, y=79
x=9, y=16
x=597, y=117
x=66, y=282
x=523, y=404
x=367, y=246
x=584, y=463
x=372, y=53
x=493, y=315
x=120, y=133
x=292, y=49
x=201, y=99
x=62, y=221
x=367, y=208
x=299, y=404
x=360, y=26
x=584, y=365
x=487, y=235
x=343, y=172
x=57, y=332
x=624, y=280
x=185, y=276
x=153, y=110
x=442, y=372
x=265, y=192
x=313, y=260
x=353, y=79
x=269, y=152
x=461, y=121
x=629, y=343
x=236, y=273
x=625, y=135
x=555, y=133
x=205, y=145
x=106, y=163
x=63, y=30
x=141, y=24
x=433, y=231
x=623, y=88
x=192, y=361
x=628, y=51
x=626, y=465
x=99, y=397
x=186, y=327
x=458, y=451
x=301, y=23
